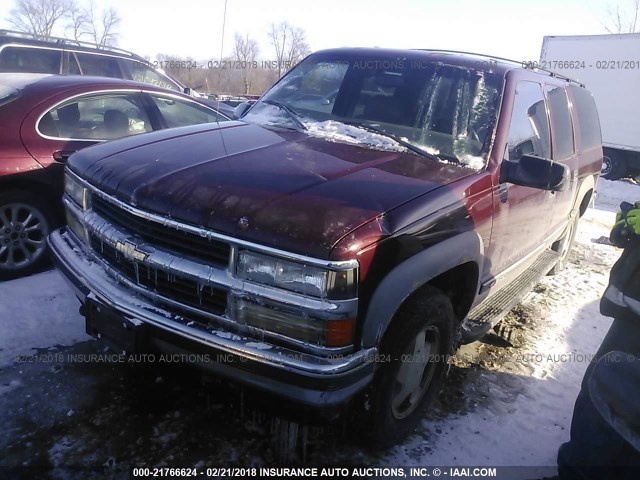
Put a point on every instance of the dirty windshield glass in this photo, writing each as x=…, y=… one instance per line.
x=443, y=110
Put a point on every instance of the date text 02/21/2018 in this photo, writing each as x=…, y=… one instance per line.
x=582, y=64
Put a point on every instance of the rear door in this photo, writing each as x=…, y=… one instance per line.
x=563, y=151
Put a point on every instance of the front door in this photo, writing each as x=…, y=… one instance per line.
x=522, y=215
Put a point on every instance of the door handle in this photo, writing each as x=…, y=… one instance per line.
x=62, y=155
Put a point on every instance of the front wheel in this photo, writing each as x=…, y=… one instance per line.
x=414, y=356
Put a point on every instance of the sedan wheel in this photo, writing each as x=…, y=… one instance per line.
x=23, y=237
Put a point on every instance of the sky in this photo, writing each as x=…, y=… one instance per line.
x=502, y=28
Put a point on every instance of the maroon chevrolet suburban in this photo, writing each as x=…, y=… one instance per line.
x=371, y=212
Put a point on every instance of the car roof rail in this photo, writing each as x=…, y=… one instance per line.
x=525, y=65
x=491, y=57
x=68, y=41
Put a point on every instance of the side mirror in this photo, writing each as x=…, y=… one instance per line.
x=187, y=91
x=240, y=110
x=535, y=172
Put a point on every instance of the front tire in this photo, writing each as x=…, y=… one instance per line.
x=25, y=222
x=414, y=355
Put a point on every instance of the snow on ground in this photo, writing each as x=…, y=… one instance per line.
x=524, y=412
x=508, y=399
x=37, y=312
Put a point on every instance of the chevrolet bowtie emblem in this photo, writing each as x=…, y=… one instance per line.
x=130, y=251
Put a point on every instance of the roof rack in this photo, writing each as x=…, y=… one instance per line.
x=66, y=41
x=510, y=61
x=501, y=59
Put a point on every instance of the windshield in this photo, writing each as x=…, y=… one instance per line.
x=444, y=110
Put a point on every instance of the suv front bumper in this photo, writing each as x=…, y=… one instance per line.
x=310, y=380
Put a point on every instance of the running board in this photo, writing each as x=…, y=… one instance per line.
x=483, y=317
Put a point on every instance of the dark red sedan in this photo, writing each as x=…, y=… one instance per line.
x=44, y=119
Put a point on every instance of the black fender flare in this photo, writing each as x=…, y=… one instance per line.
x=413, y=273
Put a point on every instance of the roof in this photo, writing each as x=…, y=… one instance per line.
x=25, y=80
x=40, y=86
x=21, y=38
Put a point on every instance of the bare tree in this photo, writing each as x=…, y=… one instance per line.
x=290, y=45
x=245, y=52
x=101, y=27
x=76, y=22
x=39, y=17
x=623, y=19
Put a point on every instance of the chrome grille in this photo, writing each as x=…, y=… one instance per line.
x=175, y=287
x=208, y=251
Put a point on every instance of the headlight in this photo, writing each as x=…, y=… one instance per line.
x=296, y=277
x=78, y=193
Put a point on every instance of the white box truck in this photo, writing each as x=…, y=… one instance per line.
x=609, y=66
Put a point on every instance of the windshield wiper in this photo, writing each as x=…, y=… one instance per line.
x=393, y=136
x=293, y=116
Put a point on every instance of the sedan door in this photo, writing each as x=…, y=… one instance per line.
x=57, y=128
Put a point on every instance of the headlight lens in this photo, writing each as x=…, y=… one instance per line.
x=282, y=273
x=296, y=277
x=76, y=191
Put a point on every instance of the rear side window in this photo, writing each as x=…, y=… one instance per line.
x=102, y=116
x=30, y=60
x=98, y=65
x=143, y=73
x=561, y=125
x=529, y=129
x=180, y=113
x=588, y=120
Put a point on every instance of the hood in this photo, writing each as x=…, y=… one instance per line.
x=279, y=188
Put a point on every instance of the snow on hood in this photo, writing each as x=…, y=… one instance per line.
x=339, y=132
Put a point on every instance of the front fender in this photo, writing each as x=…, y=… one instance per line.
x=413, y=273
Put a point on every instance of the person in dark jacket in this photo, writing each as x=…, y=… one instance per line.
x=605, y=428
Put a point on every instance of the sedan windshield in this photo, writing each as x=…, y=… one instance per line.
x=429, y=108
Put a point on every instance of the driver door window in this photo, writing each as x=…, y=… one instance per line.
x=529, y=129
x=179, y=113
